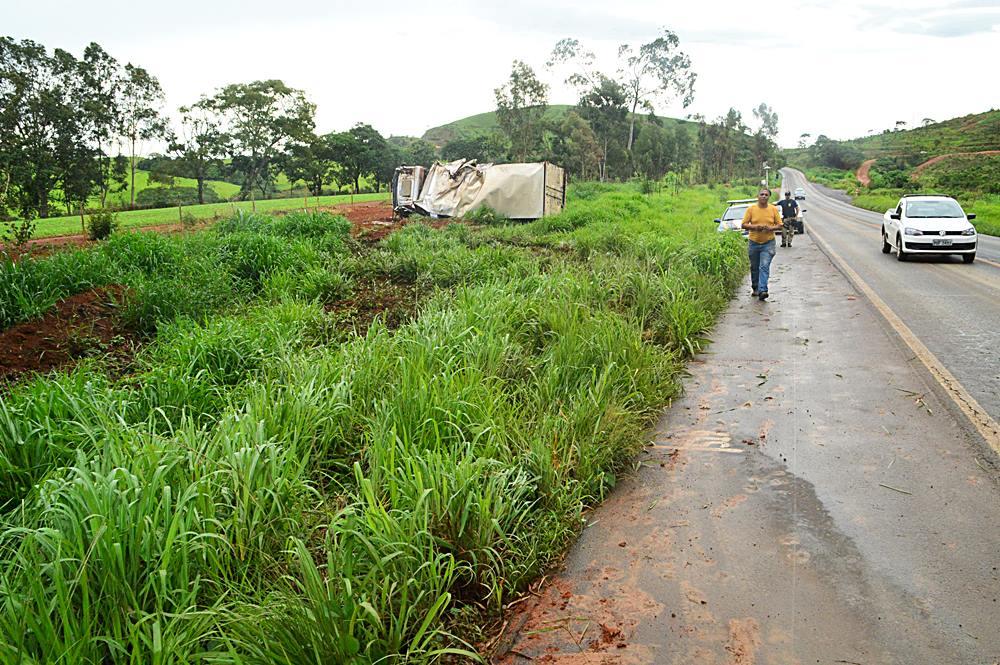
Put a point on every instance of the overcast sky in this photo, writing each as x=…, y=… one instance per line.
x=842, y=68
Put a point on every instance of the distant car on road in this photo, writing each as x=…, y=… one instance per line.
x=799, y=194
x=732, y=218
x=929, y=224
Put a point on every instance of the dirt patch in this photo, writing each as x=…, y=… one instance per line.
x=395, y=302
x=744, y=638
x=86, y=324
x=863, y=171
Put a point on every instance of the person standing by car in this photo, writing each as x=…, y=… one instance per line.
x=789, y=211
x=761, y=220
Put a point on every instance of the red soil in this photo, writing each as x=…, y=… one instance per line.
x=862, y=172
x=81, y=325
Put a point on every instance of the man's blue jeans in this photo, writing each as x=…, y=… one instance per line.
x=761, y=254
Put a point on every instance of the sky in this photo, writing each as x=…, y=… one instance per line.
x=842, y=68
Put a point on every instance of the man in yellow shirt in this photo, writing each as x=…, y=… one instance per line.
x=762, y=220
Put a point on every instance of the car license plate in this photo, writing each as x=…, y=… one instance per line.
x=942, y=242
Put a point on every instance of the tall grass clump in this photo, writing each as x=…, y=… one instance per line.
x=267, y=489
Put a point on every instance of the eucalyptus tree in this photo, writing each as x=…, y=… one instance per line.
x=140, y=98
x=201, y=144
x=655, y=71
x=521, y=105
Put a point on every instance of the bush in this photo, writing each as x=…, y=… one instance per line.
x=101, y=224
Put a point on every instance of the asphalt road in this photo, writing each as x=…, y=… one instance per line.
x=953, y=308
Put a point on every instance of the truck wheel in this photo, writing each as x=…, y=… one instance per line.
x=968, y=258
x=886, y=247
x=900, y=254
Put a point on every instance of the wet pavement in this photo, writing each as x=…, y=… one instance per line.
x=809, y=500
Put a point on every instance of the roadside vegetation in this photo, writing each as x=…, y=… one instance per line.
x=296, y=467
x=958, y=157
x=70, y=224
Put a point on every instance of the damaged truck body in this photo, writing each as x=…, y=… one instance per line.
x=518, y=191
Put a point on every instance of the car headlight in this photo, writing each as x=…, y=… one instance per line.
x=912, y=232
x=971, y=231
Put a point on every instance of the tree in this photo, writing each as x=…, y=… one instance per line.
x=481, y=147
x=804, y=139
x=358, y=151
x=576, y=146
x=262, y=120
x=98, y=86
x=900, y=124
x=311, y=162
x=45, y=131
x=415, y=152
x=521, y=106
x=927, y=121
x=140, y=98
x=653, y=71
x=603, y=107
x=201, y=145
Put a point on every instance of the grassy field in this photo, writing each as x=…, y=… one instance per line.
x=56, y=226
x=278, y=479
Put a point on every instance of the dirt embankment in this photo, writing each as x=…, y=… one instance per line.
x=862, y=174
x=85, y=324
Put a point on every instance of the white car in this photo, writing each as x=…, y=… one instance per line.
x=799, y=194
x=928, y=224
x=732, y=218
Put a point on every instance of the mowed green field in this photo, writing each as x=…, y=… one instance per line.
x=57, y=226
x=323, y=451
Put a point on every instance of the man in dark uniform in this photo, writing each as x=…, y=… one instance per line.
x=789, y=211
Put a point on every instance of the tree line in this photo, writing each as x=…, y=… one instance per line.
x=612, y=132
x=71, y=129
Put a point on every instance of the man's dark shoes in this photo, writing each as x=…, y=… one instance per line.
x=784, y=245
x=754, y=294
x=762, y=295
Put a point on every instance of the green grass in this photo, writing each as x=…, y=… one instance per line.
x=266, y=487
x=55, y=226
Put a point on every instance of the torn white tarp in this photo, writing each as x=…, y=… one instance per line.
x=519, y=191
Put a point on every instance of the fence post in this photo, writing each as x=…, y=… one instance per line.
x=180, y=215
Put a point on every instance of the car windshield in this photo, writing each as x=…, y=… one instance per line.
x=937, y=208
x=800, y=191
x=734, y=212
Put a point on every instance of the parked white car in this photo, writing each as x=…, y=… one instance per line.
x=732, y=218
x=929, y=224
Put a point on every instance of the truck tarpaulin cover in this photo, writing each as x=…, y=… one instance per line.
x=515, y=190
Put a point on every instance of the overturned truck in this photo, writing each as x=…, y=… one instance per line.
x=518, y=191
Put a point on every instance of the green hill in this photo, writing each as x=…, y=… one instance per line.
x=970, y=133
x=484, y=123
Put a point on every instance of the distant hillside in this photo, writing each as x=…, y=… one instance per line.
x=484, y=123
x=970, y=133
